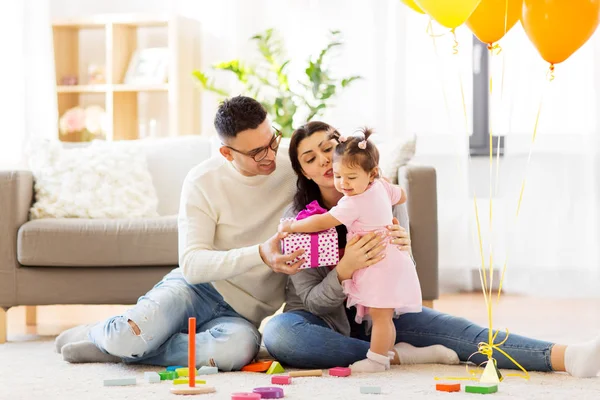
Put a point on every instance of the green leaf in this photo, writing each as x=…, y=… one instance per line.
x=348, y=81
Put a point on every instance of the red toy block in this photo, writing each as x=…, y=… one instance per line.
x=448, y=387
x=340, y=371
x=281, y=380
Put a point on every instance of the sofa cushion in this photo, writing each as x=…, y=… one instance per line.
x=98, y=243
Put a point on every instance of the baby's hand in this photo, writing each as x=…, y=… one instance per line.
x=286, y=226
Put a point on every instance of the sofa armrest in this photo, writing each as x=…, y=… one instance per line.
x=420, y=185
x=16, y=194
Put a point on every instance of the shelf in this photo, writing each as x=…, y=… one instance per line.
x=100, y=21
x=161, y=87
x=111, y=40
x=82, y=88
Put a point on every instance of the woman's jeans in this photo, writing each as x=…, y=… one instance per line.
x=303, y=340
x=224, y=338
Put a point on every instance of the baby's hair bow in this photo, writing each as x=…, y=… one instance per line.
x=342, y=139
x=363, y=144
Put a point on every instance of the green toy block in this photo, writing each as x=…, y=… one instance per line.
x=481, y=388
x=275, y=368
x=167, y=375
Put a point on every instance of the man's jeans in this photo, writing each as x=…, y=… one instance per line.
x=303, y=340
x=224, y=338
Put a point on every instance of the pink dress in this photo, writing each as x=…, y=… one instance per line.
x=392, y=282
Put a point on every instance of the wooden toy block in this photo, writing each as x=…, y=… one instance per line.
x=192, y=351
x=174, y=367
x=312, y=372
x=481, y=388
x=130, y=380
x=448, y=387
x=491, y=373
x=340, y=371
x=204, y=370
x=260, y=366
x=167, y=375
x=182, y=372
x=370, y=390
x=275, y=368
x=185, y=381
x=180, y=389
x=151, y=377
x=246, y=396
x=269, y=392
x=281, y=380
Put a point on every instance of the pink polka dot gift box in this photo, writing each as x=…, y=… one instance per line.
x=320, y=249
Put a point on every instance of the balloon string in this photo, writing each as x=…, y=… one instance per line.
x=550, y=77
x=455, y=46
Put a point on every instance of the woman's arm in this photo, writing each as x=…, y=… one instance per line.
x=320, y=295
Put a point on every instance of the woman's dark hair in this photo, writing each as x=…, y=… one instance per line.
x=306, y=189
x=357, y=150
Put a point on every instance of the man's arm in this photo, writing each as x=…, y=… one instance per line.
x=198, y=260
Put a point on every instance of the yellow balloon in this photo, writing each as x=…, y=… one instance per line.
x=449, y=13
x=413, y=5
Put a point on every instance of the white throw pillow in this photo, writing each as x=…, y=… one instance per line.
x=393, y=154
x=101, y=180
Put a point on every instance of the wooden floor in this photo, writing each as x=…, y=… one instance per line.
x=557, y=320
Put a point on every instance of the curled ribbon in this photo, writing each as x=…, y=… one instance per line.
x=494, y=48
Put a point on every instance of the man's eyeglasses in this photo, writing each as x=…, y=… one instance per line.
x=261, y=153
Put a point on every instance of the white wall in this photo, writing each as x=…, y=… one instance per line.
x=373, y=36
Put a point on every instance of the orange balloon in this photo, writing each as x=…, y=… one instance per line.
x=558, y=28
x=413, y=5
x=490, y=21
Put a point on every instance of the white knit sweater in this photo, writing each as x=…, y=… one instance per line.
x=223, y=218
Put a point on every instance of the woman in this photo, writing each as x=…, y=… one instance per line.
x=316, y=330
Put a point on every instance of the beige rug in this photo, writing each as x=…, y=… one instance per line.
x=30, y=369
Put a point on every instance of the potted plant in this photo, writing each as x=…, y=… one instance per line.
x=268, y=81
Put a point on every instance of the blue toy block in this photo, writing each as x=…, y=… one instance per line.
x=173, y=368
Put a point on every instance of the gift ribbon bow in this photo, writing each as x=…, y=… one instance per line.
x=313, y=208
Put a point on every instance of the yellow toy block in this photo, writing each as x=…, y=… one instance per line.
x=275, y=368
x=185, y=381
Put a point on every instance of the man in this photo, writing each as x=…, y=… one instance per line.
x=226, y=280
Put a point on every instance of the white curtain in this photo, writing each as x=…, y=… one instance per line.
x=28, y=99
x=551, y=248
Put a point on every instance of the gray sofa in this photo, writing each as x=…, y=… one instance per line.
x=81, y=261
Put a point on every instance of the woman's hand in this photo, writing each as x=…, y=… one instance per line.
x=399, y=236
x=361, y=253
